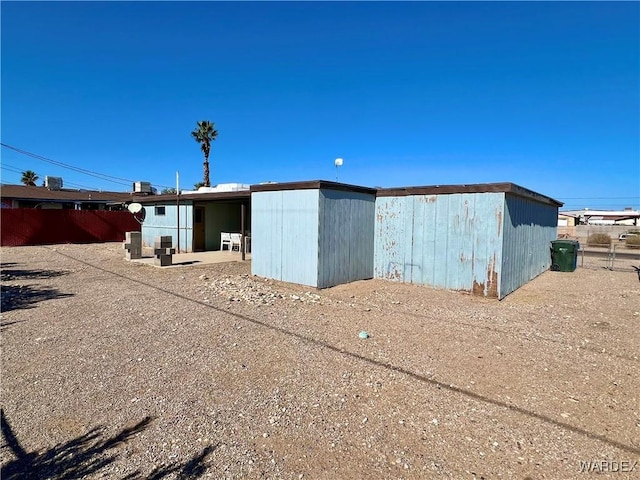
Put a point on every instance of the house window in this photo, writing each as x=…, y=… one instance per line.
x=160, y=211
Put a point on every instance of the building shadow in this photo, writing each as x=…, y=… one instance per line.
x=87, y=455
x=189, y=262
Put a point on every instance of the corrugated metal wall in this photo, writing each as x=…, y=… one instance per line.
x=486, y=243
x=447, y=241
x=529, y=228
x=164, y=225
x=346, y=224
x=284, y=235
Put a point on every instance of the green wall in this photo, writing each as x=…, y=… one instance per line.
x=222, y=217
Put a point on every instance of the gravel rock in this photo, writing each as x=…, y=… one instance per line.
x=112, y=369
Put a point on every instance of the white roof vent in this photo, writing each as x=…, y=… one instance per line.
x=53, y=183
x=142, y=187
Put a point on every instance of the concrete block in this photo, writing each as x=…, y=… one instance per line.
x=164, y=251
x=133, y=245
x=133, y=255
x=133, y=237
x=163, y=260
x=165, y=242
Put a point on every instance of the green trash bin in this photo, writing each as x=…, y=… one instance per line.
x=564, y=255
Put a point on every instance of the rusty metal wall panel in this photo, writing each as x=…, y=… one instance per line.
x=487, y=248
x=448, y=241
x=284, y=235
x=345, y=237
x=529, y=228
x=389, y=239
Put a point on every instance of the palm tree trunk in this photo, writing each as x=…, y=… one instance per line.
x=206, y=173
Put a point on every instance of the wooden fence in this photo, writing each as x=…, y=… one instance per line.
x=28, y=226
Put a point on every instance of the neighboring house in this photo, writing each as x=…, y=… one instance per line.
x=200, y=216
x=566, y=220
x=628, y=217
x=21, y=196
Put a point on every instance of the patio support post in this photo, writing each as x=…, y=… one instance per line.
x=242, y=229
x=178, y=206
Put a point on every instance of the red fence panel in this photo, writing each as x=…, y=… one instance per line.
x=29, y=226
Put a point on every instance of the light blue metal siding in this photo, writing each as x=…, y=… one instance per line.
x=346, y=237
x=284, y=235
x=266, y=228
x=529, y=228
x=446, y=241
x=167, y=224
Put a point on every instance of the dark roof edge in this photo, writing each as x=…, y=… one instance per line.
x=505, y=187
x=312, y=185
x=531, y=195
x=194, y=197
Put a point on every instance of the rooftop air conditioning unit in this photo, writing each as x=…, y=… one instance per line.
x=53, y=183
x=142, y=187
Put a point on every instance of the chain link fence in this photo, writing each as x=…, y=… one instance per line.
x=617, y=257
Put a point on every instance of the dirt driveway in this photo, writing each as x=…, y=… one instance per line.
x=112, y=369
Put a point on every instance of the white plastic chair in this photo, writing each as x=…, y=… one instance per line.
x=235, y=241
x=225, y=239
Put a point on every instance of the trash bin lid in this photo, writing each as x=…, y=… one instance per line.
x=565, y=242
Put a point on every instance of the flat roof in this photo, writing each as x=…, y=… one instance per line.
x=603, y=213
x=194, y=197
x=506, y=187
x=312, y=185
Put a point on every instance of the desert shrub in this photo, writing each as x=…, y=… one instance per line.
x=633, y=241
x=599, y=239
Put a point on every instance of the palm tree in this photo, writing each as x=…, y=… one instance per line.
x=204, y=135
x=29, y=178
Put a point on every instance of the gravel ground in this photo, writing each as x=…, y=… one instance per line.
x=112, y=369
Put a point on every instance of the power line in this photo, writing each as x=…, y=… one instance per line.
x=601, y=198
x=101, y=176
x=14, y=169
x=4, y=166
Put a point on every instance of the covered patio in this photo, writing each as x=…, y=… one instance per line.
x=195, y=258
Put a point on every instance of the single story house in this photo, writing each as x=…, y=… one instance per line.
x=628, y=217
x=487, y=239
x=566, y=220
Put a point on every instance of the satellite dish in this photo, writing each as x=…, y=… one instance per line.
x=134, y=207
x=137, y=208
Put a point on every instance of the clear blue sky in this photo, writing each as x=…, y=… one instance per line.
x=546, y=95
